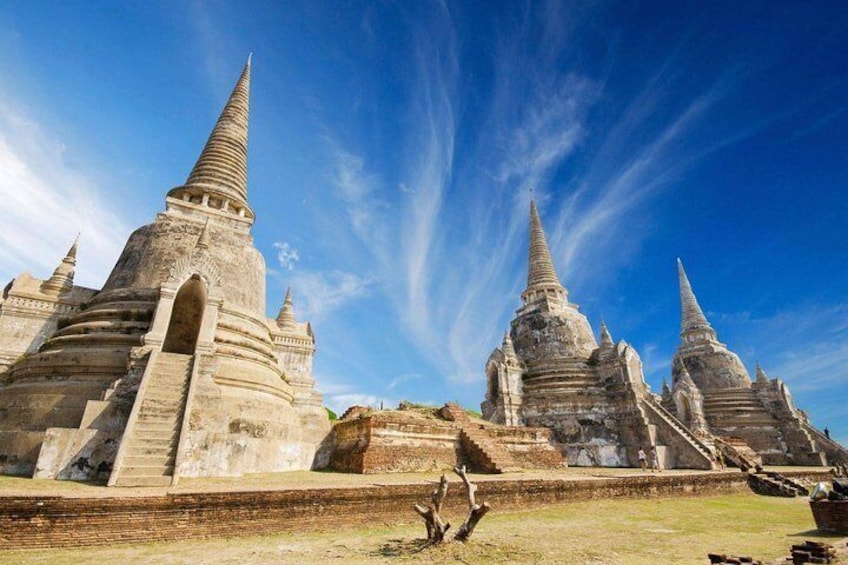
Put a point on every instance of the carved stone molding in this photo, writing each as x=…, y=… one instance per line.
x=195, y=263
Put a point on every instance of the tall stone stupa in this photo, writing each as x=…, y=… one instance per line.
x=712, y=392
x=551, y=372
x=172, y=369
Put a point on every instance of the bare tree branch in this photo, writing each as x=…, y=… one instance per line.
x=436, y=529
x=475, y=511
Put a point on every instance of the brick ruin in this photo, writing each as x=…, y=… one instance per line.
x=431, y=439
x=172, y=368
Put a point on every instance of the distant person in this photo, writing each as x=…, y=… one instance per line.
x=643, y=459
x=655, y=460
x=827, y=433
x=720, y=459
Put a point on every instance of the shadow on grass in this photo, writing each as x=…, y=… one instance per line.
x=401, y=548
x=816, y=533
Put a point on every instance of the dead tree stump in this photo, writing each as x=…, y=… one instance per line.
x=432, y=520
x=436, y=528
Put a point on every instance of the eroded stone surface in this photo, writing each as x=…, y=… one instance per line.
x=550, y=372
x=713, y=394
x=173, y=368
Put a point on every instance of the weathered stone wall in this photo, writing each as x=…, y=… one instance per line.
x=28, y=316
x=78, y=364
x=584, y=425
x=154, y=249
x=40, y=521
x=539, y=335
x=235, y=429
x=712, y=366
x=405, y=440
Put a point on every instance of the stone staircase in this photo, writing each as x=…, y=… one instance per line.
x=484, y=453
x=835, y=452
x=658, y=411
x=148, y=457
x=736, y=407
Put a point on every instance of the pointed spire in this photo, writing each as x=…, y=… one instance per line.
x=507, y=347
x=62, y=279
x=693, y=319
x=72, y=252
x=666, y=391
x=541, y=276
x=606, y=338
x=221, y=168
x=762, y=377
x=203, y=240
x=286, y=319
x=541, y=271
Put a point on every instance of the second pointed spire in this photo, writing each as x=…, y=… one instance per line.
x=692, y=317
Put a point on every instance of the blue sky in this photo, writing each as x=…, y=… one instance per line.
x=392, y=149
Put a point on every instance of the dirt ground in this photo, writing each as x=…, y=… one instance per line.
x=613, y=532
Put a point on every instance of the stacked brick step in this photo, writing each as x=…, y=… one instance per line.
x=152, y=442
x=483, y=452
x=775, y=484
x=738, y=453
x=812, y=552
x=799, y=489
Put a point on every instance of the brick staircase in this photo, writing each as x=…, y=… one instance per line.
x=738, y=453
x=484, y=452
x=774, y=484
x=151, y=445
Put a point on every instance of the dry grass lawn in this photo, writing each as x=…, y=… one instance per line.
x=653, y=531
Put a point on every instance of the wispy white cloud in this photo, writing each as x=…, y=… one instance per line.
x=428, y=170
x=549, y=129
x=399, y=380
x=44, y=202
x=593, y=218
x=806, y=345
x=341, y=396
x=357, y=189
x=320, y=293
x=287, y=255
x=656, y=364
x=818, y=125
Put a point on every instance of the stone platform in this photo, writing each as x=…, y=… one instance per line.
x=36, y=514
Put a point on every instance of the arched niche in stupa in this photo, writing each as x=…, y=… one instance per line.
x=684, y=410
x=186, y=317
